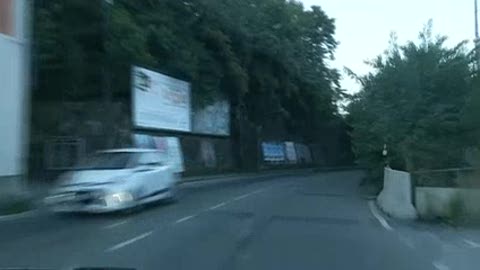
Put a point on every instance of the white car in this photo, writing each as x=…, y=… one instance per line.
x=114, y=180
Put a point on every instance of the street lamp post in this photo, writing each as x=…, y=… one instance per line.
x=477, y=37
x=385, y=155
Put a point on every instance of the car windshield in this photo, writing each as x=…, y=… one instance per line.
x=106, y=161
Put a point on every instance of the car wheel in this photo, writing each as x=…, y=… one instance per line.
x=173, y=194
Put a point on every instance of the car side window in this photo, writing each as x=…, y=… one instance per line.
x=151, y=159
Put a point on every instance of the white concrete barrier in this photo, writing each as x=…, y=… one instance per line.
x=396, y=196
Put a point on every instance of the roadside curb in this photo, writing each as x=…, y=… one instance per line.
x=25, y=214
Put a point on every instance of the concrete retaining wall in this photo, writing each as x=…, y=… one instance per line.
x=436, y=202
x=396, y=196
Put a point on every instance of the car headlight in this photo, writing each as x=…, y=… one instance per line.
x=119, y=197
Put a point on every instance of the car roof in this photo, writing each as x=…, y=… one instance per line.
x=129, y=150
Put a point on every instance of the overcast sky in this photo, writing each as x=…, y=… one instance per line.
x=364, y=26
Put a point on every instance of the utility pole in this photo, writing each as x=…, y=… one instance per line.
x=106, y=6
x=476, y=19
x=477, y=37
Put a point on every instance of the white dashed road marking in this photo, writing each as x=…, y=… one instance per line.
x=184, y=219
x=241, y=197
x=128, y=242
x=217, y=206
x=111, y=226
x=379, y=217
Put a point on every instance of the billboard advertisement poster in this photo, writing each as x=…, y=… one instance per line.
x=273, y=152
x=303, y=153
x=213, y=119
x=160, y=101
x=169, y=147
x=291, y=152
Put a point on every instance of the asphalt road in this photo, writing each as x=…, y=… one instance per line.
x=313, y=221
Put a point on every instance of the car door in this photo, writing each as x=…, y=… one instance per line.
x=150, y=170
x=163, y=179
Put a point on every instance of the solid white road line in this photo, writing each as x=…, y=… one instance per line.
x=128, y=242
x=217, y=206
x=471, y=243
x=440, y=266
x=379, y=217
x=184, y=219
x=241, y=197
x=111, y=226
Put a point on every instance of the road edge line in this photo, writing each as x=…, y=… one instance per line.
x=378, y=216
x=471, y=243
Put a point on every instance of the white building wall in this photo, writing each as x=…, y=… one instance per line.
x=14, y=105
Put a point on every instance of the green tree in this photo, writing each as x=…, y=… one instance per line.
x=268, y=57
x=414, y=101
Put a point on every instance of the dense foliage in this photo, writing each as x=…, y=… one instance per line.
x=268, y=57
x=417, y=101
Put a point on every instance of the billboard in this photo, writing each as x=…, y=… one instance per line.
x=213, y=119
x=304, y=155
x=273, y=152
x=160, y=101
x=290, y=152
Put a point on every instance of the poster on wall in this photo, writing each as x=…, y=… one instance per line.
x=273, y=152
x=160, y=101
x=290, y=152
x=304, y=155
x=213, y=119
x=169, y=147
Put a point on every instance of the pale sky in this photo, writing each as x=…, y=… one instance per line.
x=364, y=26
